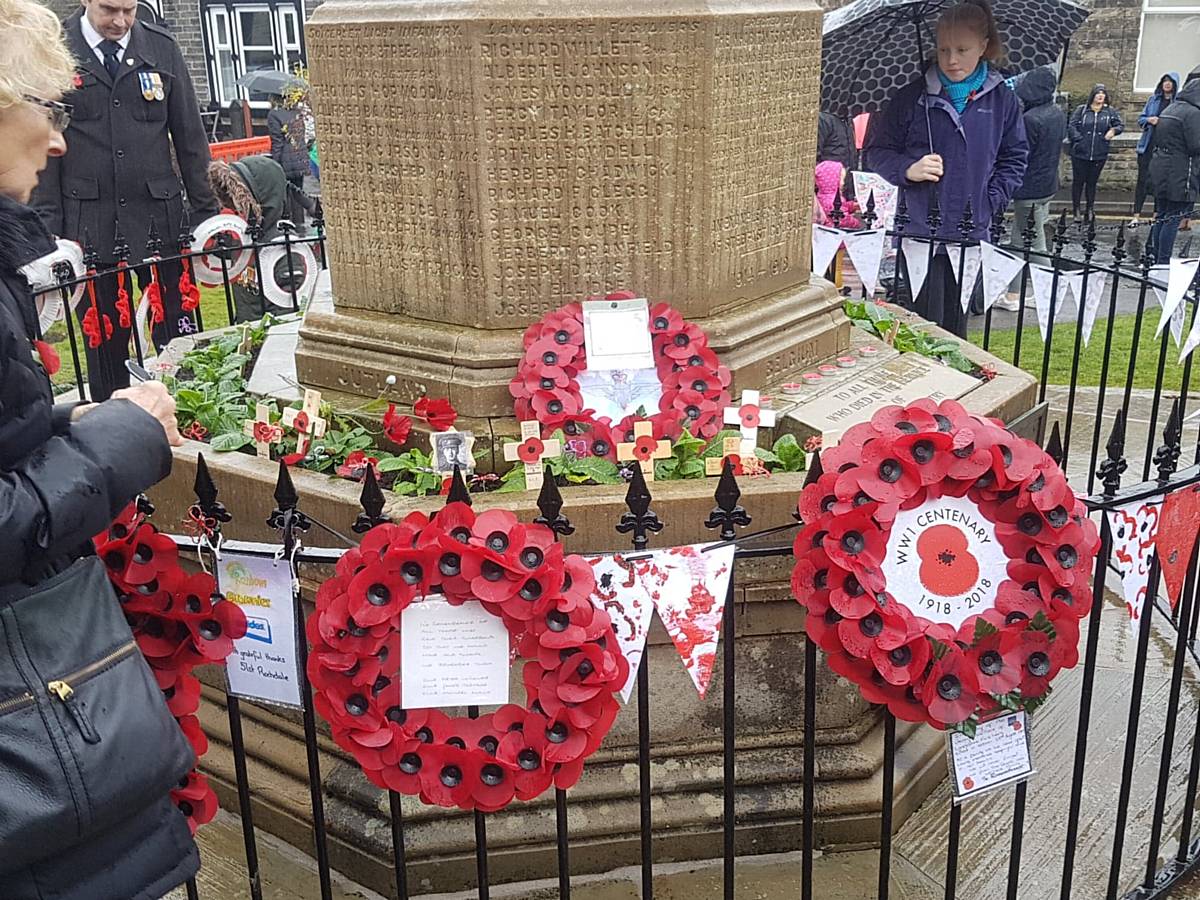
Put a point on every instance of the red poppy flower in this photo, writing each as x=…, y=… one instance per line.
x=997, y=662
x=215, y=630
x=644, y=448
x=1038, y=663
x=1017, y=604
x=49, y=357
x=266, y=433
x=823, y=627
x=439, y=414
x=190, y=726
x=586, y=437
x=928, y=453
x=951, y=692
x=183, y=696
x=196, y=800
x=530, y=450
x=904, y=664
x=396, y=427
x=549, y=353
x=356, y=465
x=553, y=407
x=1014, y=460
x=854, y=541
x=152, y=296
x=896, y=421
x=152, y=555
x=887, y=474
x=189, y=294
x=902, y=701
x=879, y=628
x=664, y=318
x=522, y=752
x=378, y=593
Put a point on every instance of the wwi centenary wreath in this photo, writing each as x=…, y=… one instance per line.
x=695, y=386
x=945, y=564
x=518, y=572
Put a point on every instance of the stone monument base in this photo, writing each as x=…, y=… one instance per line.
x=354, y=351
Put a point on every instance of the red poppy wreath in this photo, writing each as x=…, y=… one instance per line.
x=518, y=572
x=695, y=386
x=945, y=564
x=179, y=621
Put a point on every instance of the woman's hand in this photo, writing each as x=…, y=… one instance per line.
x=1110, y=134
x=154, y=398
x=1152, y=120
x=927, y=168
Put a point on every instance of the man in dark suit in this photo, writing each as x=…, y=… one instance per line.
x=133, y=102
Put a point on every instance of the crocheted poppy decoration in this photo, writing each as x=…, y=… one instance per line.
x=179, y=621
x=945, y=564
x=573, y=671
x=695, y=386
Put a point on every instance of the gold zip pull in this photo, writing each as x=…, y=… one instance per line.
x=61, y=690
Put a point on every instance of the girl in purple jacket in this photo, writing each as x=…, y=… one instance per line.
x=957, y=131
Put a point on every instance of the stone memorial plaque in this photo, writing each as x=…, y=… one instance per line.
x=897, y=381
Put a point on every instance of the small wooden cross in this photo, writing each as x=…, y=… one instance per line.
x=532, y=450
x=307, y=420
x=264, y=432
x=644, y=448
x=748, y=417
x=731, y=449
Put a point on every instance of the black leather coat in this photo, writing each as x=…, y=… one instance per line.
x=60, y=484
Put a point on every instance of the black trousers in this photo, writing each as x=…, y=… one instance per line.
x=1085, y=175
x=1142, y=190
x=106, y=363
x=939, y=301
x=295, y=208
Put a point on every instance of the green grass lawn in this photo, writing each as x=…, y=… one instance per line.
x=212, y=309
x=1091, y=358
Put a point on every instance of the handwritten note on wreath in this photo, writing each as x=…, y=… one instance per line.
x=452, y=655
x=265, y=663
x=998, y=755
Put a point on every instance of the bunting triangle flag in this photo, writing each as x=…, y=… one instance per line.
x=916, y=257
x=999, y=269
x=1072, y=287
x=866, y=252
x=1176, y=277
x=620, y=592
x=825, y=244
x=1134, y=529
x=966, y=262
x=1096, y=283
x=1193, y=340
x=1041, y=280
x=689, y=587
x=1176, y=538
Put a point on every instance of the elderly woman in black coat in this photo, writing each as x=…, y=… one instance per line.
x=88, y=749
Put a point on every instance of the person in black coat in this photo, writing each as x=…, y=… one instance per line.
x=835, y=141
x=1092, y=127
x=1175, y=168
x=133, y=106
x=289, y=148
x=1045, y=128
x=66, y=471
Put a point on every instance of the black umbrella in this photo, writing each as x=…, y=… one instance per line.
x=271, y=81
x=873, y=48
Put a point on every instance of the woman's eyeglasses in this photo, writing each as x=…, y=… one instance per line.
x=60, y=113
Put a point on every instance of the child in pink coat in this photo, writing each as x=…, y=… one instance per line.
x=828, y=177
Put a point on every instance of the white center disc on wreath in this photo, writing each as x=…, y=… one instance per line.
x=943, y=560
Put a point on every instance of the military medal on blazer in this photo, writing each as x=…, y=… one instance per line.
x=152, y=85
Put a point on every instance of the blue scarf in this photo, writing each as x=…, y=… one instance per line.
x=960, y=92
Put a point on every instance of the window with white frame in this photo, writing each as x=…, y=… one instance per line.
x=240, y=38
x=1169, y=41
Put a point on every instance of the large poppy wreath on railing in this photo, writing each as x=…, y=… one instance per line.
x=179, y=621
x=945, y=564
x=518, y=573
x=695, y=386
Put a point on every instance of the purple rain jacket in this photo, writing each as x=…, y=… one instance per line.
x=984, y=152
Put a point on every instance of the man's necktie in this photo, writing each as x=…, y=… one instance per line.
x=112, y=57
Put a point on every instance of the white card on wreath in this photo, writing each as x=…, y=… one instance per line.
x=998, y=755
x=452, y=655
x=616, y=334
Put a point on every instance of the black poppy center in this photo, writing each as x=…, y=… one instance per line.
x=600, y=448
x=660, y=323
x=1057, y=517
x=356, y=705
x=890, y=471
x=853, y=543
x=379, y=595
x=114, y=560
x=901, y=656
x=949, y=687
x=497, y=541
x=546, y=384
x=693, y=412
x=557, y=621
x=1067, y=557
x=561, y=337
x=871, y=625
x=491, y=571
x=411, y=572
x=550, y=358
x=210, y=629
x=491, y=775
x=906, y=427
x=457, y=742
x=556, y=733
x=700, y=386
x=681, y=340
x=1037, y=484
x=832, y=616
x=450, y=564
x=1029, y=523
x=555, y=406
x=142, y=553
x=451, y=776
x=424, y=735
x=528, y=759
x=821, y=579
x=531, y=589
x=827, y=502
x=964, y=452
x=410, y=764
x=991, y=662
x=943, y=423
x=489, y=745
x=397, y=714
x=192, y=604
x=1038, y=664
x=922, y=452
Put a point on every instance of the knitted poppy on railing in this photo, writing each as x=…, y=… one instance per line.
x=180, y=621
x=573, y=671
x=945, y=564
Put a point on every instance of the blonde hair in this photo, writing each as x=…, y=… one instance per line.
x=34, y=60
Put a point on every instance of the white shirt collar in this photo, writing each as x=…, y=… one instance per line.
x=93, y=37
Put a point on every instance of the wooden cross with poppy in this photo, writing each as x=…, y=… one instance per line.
x=307, y=420
x=264, y=432
x=644, y=448
x=748, y=417
x=532, y=451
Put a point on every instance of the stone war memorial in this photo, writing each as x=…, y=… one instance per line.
x=486, y=163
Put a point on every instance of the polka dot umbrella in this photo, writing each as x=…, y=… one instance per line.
x=873, y=48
